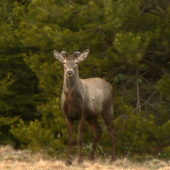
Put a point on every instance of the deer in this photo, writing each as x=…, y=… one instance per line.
x=84, y=100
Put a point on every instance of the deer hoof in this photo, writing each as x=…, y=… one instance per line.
x=68, y=162
x=113, y=159
x=92, y=158
x=80, y=161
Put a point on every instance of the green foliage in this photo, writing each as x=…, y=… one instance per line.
x=49, y=133
x=132, y=46
x=4, y=92
x=36, y=137
x=6, y=119
x=18, y=84
x=164, y=85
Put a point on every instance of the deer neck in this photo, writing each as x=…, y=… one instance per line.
x=72, y=85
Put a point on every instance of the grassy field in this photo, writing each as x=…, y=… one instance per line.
x=11, y=159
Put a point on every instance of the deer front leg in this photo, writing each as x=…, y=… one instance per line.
x=80, y=138
x=70, y=127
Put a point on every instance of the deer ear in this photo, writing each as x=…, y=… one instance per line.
x=58, y=56
x=83, y=55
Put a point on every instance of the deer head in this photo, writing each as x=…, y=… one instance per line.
x=70, y=62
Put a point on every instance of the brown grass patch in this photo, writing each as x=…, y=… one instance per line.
x=11, y=159
x=6, y=149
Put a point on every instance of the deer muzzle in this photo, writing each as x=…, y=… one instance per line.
x=69, y=72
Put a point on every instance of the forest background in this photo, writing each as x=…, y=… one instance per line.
x=129, y=44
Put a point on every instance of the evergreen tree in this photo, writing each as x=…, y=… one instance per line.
x=18, y=84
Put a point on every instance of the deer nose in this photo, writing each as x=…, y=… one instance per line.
x=69, y=72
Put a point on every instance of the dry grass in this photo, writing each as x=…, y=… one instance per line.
x=11, y=159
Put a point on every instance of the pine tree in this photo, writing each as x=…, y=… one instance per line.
x=18, y=84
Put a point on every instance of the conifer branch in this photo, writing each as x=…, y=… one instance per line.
x=154, y=9
x=107, y=39
x=150, y=64
x=6, y=11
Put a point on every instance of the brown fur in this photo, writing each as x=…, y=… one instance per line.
x=84, y=100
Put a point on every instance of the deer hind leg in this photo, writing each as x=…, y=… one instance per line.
x=70, y=128
x=108, y=118
x=97, y=134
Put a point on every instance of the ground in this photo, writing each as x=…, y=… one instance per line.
x=11, y=159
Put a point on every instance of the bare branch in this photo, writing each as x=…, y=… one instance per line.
x=160, y=9
x=156, y=13
x=168, y=2
x=71, y=2
x=137, y=91
x=150, y=64
x=154, y=8
x=147, y=101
